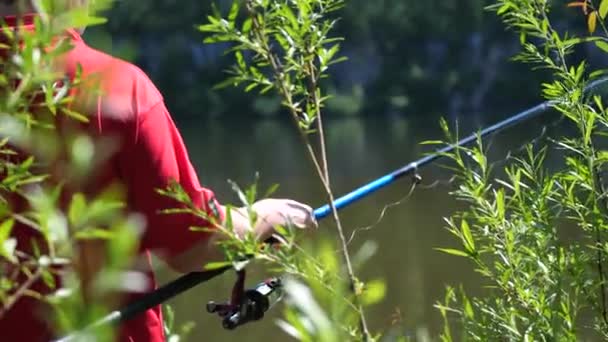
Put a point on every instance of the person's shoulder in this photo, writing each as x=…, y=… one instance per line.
x=125, y=89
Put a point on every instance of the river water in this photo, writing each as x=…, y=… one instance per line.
x=360, y=150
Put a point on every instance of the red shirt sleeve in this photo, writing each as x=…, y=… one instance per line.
x=157, y=158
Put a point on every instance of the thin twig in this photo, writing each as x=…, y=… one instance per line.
x=328, y=190
x=322, y=170
x=600, y=247
x=10, y=302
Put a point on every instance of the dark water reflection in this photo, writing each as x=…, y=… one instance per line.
x=359, y=150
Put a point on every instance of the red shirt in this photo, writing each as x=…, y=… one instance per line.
x=150, y=154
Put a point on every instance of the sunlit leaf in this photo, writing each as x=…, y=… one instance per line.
x=75, y=115
x=234, y=11
x=467, y=236
x=374, y=291
x=603, y=9
x=95, y=234
x=453, y=251
x=7, y=244
x=211, y=266
x=76, y=209
x=602, y=45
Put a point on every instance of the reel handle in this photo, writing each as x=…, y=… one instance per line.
x=247, y=305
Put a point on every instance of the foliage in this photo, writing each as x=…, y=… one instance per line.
x=35, y=98
x=290, y=49
x=321, y=309
x=536, y=233
x=317, y=311
x=406, y=57
x=286, y=46
x=173, y=333
x=36, y=103
x=67, y=218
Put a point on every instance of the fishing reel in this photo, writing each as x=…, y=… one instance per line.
x=247, y=305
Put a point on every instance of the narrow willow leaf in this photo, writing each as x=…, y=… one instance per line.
x=234, y=11
x=95, y=234
x=271, y=190
x=5, y=229
x=602, y=45
x=7, y=245
x=75, y=115
x=451, y=251
x=288, y=13
x=77, y=209
x=217, y=265
x=467, y=236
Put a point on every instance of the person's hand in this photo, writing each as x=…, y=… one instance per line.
x=272, y=212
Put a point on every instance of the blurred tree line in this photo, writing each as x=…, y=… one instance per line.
x=406, y=57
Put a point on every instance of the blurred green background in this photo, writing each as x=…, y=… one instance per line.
x=406, y=58
x=409, y=63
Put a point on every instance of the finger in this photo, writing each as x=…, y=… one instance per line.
x=312, y=223
x=297, y=205
x=305, y=215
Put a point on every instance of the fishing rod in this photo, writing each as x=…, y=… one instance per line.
x=250, y=305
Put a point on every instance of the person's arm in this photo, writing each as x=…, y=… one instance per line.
x=158, y=157
x=271, y=212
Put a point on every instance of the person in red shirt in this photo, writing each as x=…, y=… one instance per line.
x=150, y=155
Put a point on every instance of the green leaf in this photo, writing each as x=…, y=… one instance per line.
x=288, y=13
x=77, y=209
x=247, y=25
x=234, y=11
x=602, y=45
x=169, y=318
x=601, y=72
x=5, y=229
x=468, y=308
x=279, y=229
x=603, y=9
x=373, y=292
x=453, y=252
x=467, y=236
x=271, y=190
x=95, y=234
x=500, y=203
x=432, y=142
x=101, y=209
x=48, y=278
x=75, y=115
x=217, y=265
x=7, y=244
x=602, y=156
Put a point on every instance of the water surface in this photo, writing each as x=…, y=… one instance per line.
x=360, y=150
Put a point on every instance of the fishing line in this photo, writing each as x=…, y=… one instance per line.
x=417, y=180
x=190, y=280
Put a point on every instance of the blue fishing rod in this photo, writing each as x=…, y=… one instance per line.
x=250, y=305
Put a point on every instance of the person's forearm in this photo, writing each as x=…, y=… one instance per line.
x=270, y=213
